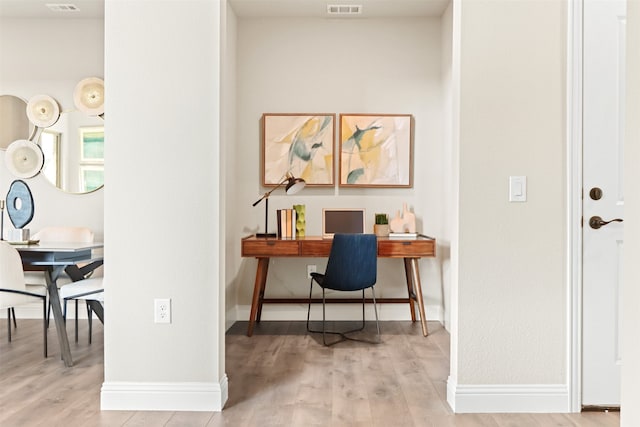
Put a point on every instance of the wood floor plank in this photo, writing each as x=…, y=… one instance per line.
x=281, y=376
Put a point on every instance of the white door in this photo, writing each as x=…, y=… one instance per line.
x=603, y=199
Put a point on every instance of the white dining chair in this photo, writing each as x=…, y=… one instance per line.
x=91, y=289
x=74, y=273
x=14, y=291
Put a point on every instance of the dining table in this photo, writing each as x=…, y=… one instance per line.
x=52, y=258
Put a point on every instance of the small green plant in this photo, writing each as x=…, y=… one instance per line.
x=382, y=218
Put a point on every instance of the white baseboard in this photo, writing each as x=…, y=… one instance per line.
x=293, y=312
x=129, y=396
x=231, y=317
x=508, y=398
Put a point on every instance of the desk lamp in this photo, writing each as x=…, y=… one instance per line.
x=293, y=186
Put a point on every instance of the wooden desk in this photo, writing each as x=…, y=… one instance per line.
x=410, y=250
x=52, y=258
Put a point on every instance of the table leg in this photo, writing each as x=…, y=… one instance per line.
x=51, y=275
x=412, y=295
x=263, y=284
x=415, y=274
x=258, y=289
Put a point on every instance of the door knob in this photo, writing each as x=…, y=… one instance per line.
x=596, y=222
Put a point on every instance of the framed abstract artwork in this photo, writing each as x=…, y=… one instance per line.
x=301, y=144
x=376, y=150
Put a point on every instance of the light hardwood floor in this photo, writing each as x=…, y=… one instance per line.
x=279, y=377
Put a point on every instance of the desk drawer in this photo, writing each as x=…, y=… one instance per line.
x=269, y=248
x=406, y=248
x=315, y=248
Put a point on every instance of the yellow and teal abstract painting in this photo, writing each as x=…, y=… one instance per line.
x=376, y=150
x=301, y=144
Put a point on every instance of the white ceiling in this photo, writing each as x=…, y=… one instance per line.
x=91, y=9
x=88, y=9
x=318, y=8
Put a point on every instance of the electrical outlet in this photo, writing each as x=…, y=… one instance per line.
x=162, y=310
x=311, y=268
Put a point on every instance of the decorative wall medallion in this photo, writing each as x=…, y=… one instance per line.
x=20, y=204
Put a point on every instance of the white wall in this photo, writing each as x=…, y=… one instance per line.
x=228, y=123
x=42, y=56
x=511, y=290
x=164, y=213
x=630, y=415
x=306, y=65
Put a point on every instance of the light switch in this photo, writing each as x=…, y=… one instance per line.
x=517, y=188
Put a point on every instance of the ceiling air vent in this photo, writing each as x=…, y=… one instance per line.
x=63, y=7
x=344, y=9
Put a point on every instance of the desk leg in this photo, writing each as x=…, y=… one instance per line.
x=51, y=275
x=258, y=293
x=415, y=274
x=412, y=294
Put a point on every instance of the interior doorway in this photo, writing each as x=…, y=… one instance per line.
x=602, y=202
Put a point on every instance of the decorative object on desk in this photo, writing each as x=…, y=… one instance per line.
x=24, y=159
x=381, y=226
x=409, y=219
x=376, y=150
x=405, y=223
x=301, y=144
x=1, y=219
x=293, y=185
x=19, y=204
x=301, y=222
x=88, y=96
x=43, y=111
x=396, y=225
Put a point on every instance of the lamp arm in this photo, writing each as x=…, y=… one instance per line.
x=268, y=193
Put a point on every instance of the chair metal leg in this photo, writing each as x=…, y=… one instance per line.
x=76, y=320
x=324, y=339
x=309, y=308
x=375, y=310
x=9, y=323
x=90, y=319
x=13, y=314
x=44, y=324
x=363, y=303
x=343, y=335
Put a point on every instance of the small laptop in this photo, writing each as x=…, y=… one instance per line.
x=336, y=220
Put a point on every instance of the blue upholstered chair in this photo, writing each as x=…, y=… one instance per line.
x=352, y=266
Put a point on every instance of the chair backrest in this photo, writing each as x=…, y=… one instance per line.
x=64, y=234
x=353, y=262
x=11, y=274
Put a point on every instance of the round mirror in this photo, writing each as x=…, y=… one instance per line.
x=14, y=123
x=73, y=151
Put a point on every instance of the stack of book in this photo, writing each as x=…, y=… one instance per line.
x=286, y=223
